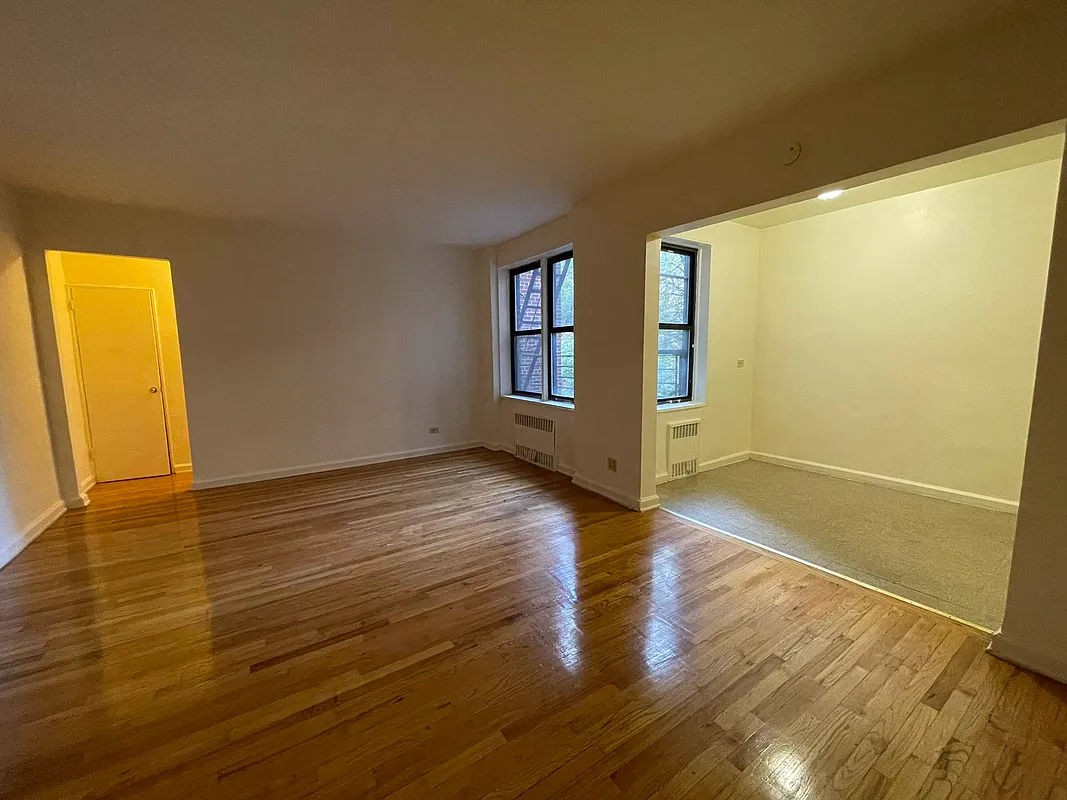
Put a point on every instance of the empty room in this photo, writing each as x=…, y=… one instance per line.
x=533, y=399
x=858, y=391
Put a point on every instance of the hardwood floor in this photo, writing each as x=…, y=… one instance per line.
x=467, y=626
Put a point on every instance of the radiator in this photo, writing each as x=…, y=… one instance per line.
x=683, y=448
x=535, y=440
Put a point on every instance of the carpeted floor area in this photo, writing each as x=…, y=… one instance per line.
x=948, y=556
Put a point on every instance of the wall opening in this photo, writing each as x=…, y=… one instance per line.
x=870, y=356
x=116, y=330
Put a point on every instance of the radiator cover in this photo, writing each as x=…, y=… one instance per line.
x=683, y=448
x=535, y=440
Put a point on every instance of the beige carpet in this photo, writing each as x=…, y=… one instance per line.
x=948, y=556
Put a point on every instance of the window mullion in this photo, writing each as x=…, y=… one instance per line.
x=546, y=336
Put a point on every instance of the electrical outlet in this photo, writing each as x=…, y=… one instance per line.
x=435, y=429
x=613, y=465
x=740, y=363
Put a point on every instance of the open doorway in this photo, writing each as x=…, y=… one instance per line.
x=117, y=333
x=857, y=393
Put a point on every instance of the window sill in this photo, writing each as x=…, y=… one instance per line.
x=663, y=409
x=538, y=401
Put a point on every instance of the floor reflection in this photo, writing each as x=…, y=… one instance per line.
x=663, y=641
x=159, y=522
x=786, y=769
x=567, y=631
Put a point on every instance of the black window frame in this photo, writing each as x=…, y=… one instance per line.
x=553, y=328
x=693, y=254
x=515, y=333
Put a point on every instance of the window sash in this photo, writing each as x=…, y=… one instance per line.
x=513, y=279
x=690, y=326
x=669, y=358
x=515, y=339
x=546, y=331
x=553, y=328
x=556, y=391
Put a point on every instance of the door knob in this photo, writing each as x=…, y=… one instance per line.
x=153, y=389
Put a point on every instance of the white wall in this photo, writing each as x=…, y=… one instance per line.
x=29, y=496
x=900, y=337
x=301, y=348
x=1033, y=632
x=726, y=414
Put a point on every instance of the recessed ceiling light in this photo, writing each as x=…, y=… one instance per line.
x=831, y=194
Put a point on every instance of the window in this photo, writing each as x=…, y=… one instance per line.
x=677, y=312
x=541, y=301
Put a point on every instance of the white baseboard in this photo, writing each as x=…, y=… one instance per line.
x=901, y=484
x=1024, y=656
x=914, y=487
x=714, y=463
x=31, y=532
x=650, y=503
x=632, y=503
x=81, y=500
x=722, y=461
x=186, y=467
x=326, y=466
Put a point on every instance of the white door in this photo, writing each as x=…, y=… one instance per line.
x=115, y=333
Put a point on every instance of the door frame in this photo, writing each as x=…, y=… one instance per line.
x=157, y=345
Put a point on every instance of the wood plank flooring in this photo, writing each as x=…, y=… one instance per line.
x=467, y=626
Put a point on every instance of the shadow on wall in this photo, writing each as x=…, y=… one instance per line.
x=9, y=527
x=9, y=524
x=29, y=497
